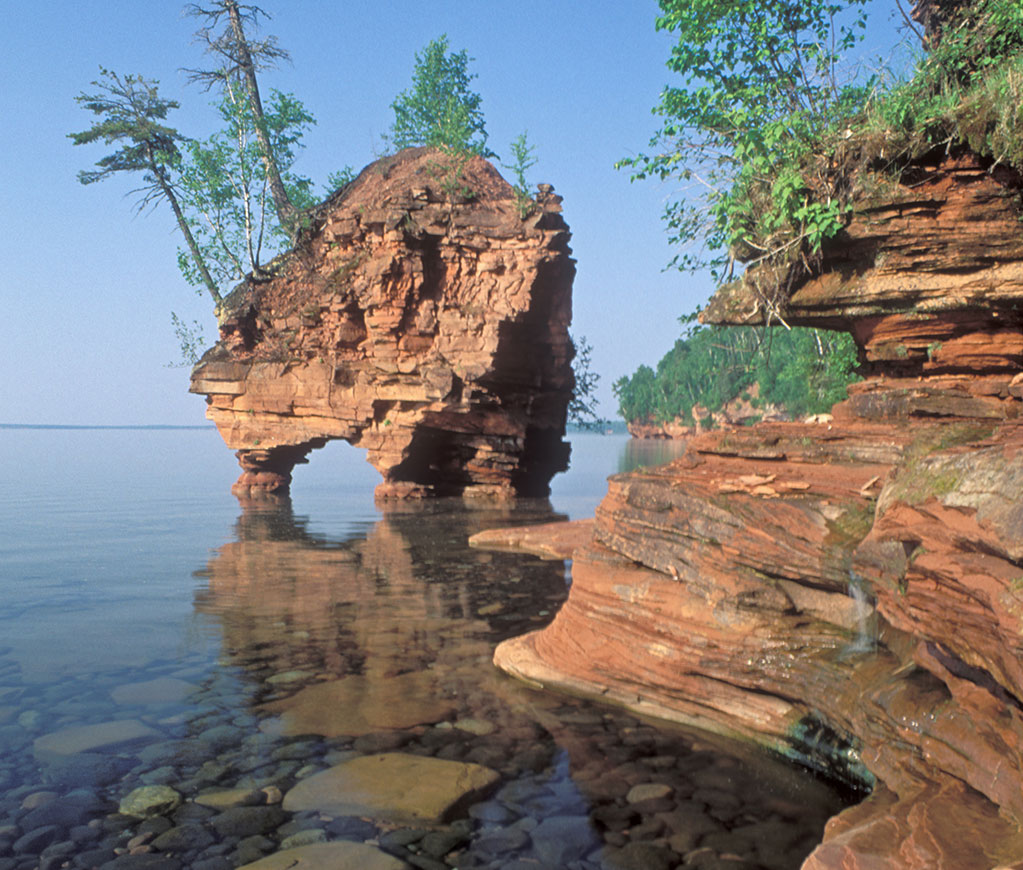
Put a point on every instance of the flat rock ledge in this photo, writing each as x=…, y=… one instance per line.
x=547, y=541
x=394, y=787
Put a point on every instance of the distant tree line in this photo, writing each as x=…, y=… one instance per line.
x=802, y=371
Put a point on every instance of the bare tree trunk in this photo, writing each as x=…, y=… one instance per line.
x=286, y=211
x=193, y=248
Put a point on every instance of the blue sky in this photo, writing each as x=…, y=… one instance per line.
x=88, y=286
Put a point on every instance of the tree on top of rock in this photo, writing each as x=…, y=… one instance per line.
x=233, y=194
x=439, y=109
x=241, y=58
x=131, y=113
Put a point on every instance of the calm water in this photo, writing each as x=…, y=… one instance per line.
x=137, y=593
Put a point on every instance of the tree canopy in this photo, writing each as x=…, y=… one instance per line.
x=440, y=109
x=235, y=198
x=240, y=58
x=131, y=111
x=227, y=193
x=760, y=87
x=768, y=121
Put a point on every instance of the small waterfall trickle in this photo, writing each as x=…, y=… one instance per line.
x=864, y=608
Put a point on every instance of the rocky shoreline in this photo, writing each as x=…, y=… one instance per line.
x=846, y=591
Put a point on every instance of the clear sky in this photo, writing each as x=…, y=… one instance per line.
x=88, y=286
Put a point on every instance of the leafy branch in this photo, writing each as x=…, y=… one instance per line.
x=761, y=90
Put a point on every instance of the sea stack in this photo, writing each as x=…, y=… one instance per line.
x=424, y=316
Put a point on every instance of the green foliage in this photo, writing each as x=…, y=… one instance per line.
x=968, y=89
x=805, y=371
x=439, y=109
x=225, y=187
x=130, y=112
x=763, y=125
x=239, y=57
x=525, y=158
x=760, y=91
x=129, y=109
x=342, y=177
x=234, y=195
x=582, y=408
x=448, y=171
x=191, y=340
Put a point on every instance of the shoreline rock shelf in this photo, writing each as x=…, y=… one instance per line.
x=848, y=592
x=421, y=317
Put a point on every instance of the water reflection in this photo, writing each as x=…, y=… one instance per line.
x=394, y=598
x=648, y=452
x=382, y=642
x=343, y=637
x=310, y=638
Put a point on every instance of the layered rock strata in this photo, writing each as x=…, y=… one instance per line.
x=847, y=592
x=423, y=316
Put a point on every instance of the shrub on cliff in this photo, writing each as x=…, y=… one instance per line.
x=774, y=142
x=967, y=90
x=760, y=89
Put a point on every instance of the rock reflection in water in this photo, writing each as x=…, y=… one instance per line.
x=646, y=452
x=382, y=643
x=407, y=597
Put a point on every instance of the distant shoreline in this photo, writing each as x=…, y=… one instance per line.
x=85, y=426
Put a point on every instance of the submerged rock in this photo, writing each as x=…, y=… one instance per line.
x=223, y=799
x=102, y=737
x=357, y=705
x=343, y=855
x=150, y=800
x=162, y=690
x=394, y=787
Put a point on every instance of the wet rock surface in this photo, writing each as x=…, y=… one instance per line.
x=393, y=787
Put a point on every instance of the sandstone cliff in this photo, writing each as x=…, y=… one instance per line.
x=848, y=592
x=421, y=317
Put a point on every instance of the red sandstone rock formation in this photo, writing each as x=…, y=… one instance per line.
x=847, y=592
x=421, y=317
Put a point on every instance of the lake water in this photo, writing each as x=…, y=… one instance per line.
x=155, y=631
